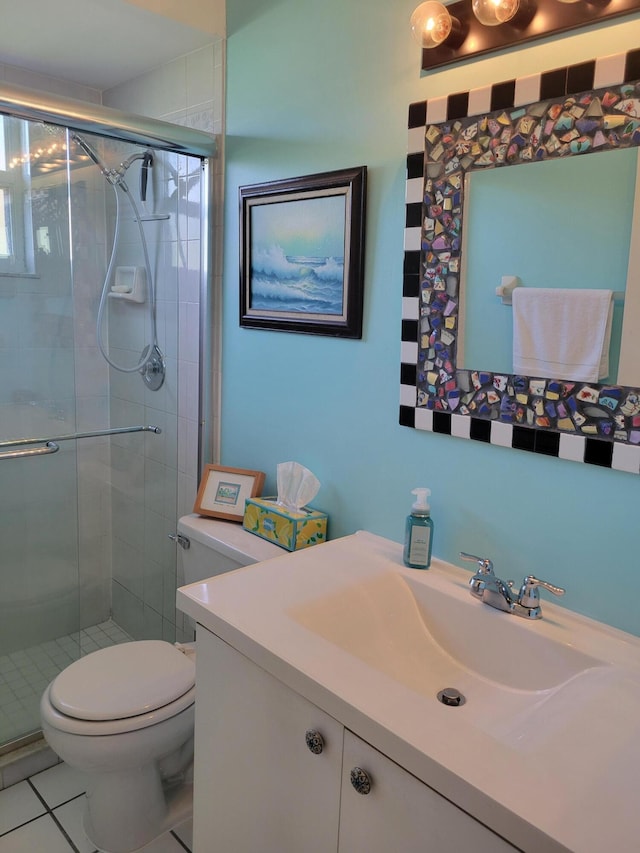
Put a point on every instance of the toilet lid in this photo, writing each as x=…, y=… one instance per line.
x=123, y=681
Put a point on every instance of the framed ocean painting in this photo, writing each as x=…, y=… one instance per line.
x=302, y=254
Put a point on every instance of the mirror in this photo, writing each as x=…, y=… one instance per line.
x=526, y=227
x=451, y=142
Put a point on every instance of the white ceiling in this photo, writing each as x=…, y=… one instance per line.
x=101, y=43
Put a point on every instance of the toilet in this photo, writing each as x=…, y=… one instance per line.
x=124, y=715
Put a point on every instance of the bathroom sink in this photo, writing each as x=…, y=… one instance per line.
x=427, y=635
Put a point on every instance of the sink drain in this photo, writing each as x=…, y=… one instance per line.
x=451, y=696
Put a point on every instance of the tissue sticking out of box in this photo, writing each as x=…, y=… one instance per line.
x=297, y=486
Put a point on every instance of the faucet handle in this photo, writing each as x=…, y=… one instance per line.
x=482, y=576
x=485, y=565
x=529, y=595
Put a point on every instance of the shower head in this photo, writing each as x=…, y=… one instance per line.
x=81, y=142
x=88, y=150
x=114, y=176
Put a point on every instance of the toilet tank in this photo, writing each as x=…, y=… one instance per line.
x=218, y=546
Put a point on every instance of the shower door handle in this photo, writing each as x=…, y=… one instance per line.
x=49, y=447
x=22, y=442
x=51, y=444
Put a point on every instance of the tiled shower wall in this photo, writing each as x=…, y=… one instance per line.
x=189, y=91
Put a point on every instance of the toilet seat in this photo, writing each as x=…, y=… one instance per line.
x=93, y=728
x=122, y=688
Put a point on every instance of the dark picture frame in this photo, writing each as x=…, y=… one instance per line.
x=302, y=254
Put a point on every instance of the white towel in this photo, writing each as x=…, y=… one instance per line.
x=562, y=334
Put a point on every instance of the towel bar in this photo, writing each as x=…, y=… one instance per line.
x=505, y=292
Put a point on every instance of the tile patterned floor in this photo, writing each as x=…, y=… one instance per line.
x=43, y=814
x=25, y=674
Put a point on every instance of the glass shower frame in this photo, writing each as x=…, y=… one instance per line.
x=87, y=528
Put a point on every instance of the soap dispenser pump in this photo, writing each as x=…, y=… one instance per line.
x=418, y=532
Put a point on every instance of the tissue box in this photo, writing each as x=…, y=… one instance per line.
x=289, y=529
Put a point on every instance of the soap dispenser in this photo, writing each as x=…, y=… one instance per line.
x=418, y=532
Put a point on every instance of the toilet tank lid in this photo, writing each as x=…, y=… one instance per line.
x=228, y=538
x=123, y=681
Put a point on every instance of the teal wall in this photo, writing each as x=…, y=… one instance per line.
x=313, y=87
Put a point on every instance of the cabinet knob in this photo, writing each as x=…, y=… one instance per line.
x=360, y=780
x=314, y=740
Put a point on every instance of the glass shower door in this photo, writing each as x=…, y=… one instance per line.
x=86, y=558
x=39, y=598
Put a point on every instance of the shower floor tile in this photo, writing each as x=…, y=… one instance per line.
x=44, y=813
x=25, y=674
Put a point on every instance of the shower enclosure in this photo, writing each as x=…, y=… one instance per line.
x=92, y=284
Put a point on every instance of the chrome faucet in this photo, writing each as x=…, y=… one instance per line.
x=493, y=591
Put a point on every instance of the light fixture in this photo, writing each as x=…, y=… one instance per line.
x=465, y=28
x=431, y=24
x=491, y=13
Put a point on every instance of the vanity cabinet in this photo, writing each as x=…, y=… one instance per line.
x=402, y=813
x=258, y=788
x=273, y=774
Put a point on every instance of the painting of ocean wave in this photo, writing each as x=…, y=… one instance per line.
x=296, y=282
x=297, y=256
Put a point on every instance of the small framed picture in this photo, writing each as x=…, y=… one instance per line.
x=223, y=491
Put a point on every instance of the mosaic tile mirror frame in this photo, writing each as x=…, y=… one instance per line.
x=593, y=106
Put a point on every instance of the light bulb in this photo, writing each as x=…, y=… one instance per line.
x=431, y=24
x=494, y=12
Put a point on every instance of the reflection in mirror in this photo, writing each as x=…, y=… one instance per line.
x=563, y=223
x=583, y=113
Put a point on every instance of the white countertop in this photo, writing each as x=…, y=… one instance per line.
x=562, y=776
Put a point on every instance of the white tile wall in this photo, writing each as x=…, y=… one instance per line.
x=188, y=90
